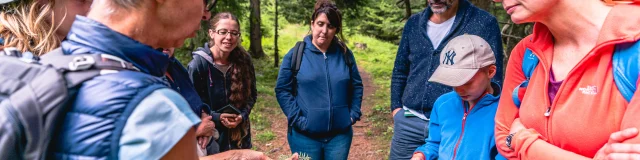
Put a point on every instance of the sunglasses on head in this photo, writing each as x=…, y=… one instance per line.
x=209, y=4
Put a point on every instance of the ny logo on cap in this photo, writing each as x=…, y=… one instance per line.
x=448, y=59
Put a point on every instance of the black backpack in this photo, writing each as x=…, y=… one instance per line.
x=34, y=96
x=296, y=59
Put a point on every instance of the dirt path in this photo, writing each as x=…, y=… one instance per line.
x=363, y=146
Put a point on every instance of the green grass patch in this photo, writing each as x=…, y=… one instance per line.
x=265, y=136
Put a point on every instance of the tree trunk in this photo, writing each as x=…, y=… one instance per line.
x=256, y=33
x=482, y=4
x=407, y=10
x=276, y=57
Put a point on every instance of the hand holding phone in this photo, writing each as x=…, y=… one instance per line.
x=230, y=120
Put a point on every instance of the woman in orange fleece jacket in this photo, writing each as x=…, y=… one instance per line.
x=572, y=105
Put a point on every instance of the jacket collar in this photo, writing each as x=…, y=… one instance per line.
x=487, y=99
x=618, y=28
x=463, y=6
x=89, y=36
x=334, y=47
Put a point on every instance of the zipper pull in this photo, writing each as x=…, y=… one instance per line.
x=548, y=112
x=325, y=55
x=465, y=116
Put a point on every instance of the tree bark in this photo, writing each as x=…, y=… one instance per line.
x=276, y=57
x=407, y=9
x=256, y=33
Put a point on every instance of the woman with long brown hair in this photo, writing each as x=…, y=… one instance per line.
x=224, y=77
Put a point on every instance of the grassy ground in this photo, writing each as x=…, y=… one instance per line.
x=378, y=61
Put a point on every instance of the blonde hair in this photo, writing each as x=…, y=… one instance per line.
x=27, y=26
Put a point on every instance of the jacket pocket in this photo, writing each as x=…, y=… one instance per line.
x=317, y=120
x=341, y=118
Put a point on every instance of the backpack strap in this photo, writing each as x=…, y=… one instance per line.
x=295, y=65
x=529, y=63
x=78, y=68
x=626, y=68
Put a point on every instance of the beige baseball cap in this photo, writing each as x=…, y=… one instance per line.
x=461, y=59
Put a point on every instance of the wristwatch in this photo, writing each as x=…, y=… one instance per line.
x=508, y=141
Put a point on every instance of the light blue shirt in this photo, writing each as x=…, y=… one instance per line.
x=156, y=125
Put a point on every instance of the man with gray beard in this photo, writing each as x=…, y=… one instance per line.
x=423, y=38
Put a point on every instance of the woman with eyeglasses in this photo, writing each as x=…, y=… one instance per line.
x=224, y=78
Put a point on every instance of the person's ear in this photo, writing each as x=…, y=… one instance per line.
x=211, y=33
x=491, y=70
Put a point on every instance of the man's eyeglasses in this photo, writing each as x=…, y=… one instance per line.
x=224, y=32
x=209, y=4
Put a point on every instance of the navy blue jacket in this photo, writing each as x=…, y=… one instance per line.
x=417, y=59
x=214, y=88
x=329, y=91
x=92, y=127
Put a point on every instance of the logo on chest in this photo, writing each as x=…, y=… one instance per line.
x=589, y=90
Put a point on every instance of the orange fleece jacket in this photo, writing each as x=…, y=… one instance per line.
x=588, y=106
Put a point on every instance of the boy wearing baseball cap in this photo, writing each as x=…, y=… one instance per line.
x=462, y=121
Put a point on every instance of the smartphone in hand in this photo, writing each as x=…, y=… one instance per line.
x=229, y=109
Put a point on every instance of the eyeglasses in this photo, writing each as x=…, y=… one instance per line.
x=209, y=4
x=224, y=32
x=614, y=2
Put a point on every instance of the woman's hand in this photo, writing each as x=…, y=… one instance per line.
x=230, y=120
x=615, y=149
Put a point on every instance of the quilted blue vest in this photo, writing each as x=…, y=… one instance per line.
x=93, y=125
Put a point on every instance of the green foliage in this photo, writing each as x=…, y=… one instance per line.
x=265, y=136
x=383, y=22
x=300, y=11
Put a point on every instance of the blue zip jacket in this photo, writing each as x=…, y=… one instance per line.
x=329, y=92
x=417, y=59
x=454, y=136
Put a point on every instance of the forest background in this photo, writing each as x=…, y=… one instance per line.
x=270, y=28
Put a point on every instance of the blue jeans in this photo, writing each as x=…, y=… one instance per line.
x=333, y=148
x=408, y=134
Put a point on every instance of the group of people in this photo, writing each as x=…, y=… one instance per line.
x=159, y=108
x=574, y=80
x=447, y=85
